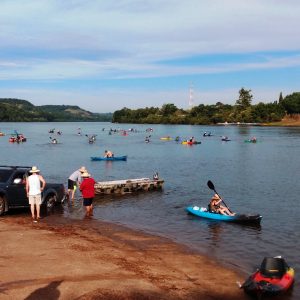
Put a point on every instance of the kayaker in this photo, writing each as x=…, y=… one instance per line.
x=215, y=206
x=108, y=153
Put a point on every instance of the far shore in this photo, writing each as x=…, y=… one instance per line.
x=88, y=259
x=283, y=124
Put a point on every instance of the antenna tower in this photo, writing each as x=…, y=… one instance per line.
x=191, y=98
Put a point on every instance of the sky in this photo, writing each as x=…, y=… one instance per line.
x=105, y=55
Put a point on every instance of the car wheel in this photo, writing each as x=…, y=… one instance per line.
x=2, y=205
x=50, y=202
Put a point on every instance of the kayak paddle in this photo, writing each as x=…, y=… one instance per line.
x=212, y=187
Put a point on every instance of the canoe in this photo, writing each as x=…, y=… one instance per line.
x=226, y=140
x=167, y=138
x=272, y=278
x=94, y=158
x=238, y=218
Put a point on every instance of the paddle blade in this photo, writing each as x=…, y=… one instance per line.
x=210, y=185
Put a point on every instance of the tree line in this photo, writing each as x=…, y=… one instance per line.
x=242, y=111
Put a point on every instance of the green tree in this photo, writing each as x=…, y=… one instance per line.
x=280, y=98
x=168, y=109
x=245, y=99
x=291, y=103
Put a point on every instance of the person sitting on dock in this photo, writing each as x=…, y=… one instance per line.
x=108, y=153
x=216, y=207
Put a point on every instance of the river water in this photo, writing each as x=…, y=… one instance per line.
x=252, y=178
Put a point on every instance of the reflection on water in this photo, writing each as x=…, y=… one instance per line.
x=252, y=178
x=215, y=232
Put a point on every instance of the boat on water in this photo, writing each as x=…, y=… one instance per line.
x=2, y=133
x=238, y=218
x=207, y=134
x=113, y=158
x=273, y=277
x=17, y=138
x=252, y=140
x=166, y=138
x=225, y=139
x=190, y=143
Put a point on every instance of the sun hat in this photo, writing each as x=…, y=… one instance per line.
x=82, y=169
x=34, y=169
x=85, y=174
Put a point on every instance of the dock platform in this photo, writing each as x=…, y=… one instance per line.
x=128, y=186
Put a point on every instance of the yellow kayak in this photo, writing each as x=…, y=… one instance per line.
x=167, y=138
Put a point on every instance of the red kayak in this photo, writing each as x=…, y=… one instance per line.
x=17, y=139
x=272, y=278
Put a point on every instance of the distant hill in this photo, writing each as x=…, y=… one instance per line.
x=17, y=110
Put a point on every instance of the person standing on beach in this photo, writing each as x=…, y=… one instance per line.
x=34, y=191
x=73, y=180
x=87, y=188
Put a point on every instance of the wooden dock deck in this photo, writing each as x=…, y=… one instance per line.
x=128, y=186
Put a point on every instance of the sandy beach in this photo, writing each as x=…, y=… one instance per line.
x=96, y=260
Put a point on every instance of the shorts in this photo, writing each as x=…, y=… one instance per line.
x=87, y=201
x=71, y=184
x=35, y=199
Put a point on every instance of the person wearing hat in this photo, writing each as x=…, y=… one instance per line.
x=34, y=191
x=216, y=207
x=73, y=180
x=87, y=188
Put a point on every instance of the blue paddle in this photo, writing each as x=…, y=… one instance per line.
x=212, y=187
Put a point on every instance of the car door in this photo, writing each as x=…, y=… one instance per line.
x=16, y=191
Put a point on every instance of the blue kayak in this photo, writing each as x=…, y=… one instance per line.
x=238, y=218
x=124, y=157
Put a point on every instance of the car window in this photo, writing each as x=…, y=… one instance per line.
x=19, y=175
x=5, y=174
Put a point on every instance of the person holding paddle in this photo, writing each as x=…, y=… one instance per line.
x=108, y=153
x=215, y=206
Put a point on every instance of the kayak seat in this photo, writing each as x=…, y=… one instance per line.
x=273, y=267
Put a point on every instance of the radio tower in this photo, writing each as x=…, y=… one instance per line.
x=191, y=98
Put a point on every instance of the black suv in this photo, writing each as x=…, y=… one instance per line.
x=13, y=189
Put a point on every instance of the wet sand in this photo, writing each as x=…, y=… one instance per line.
x=88, y=259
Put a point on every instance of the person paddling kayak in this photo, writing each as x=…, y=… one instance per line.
x=108, y=153
x=215, y=206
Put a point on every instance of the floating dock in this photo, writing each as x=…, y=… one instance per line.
x=128, y=186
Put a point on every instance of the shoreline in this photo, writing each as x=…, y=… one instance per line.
x=91, y=259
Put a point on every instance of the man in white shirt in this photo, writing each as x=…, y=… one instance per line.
x=73, y=180
x=34, y=191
